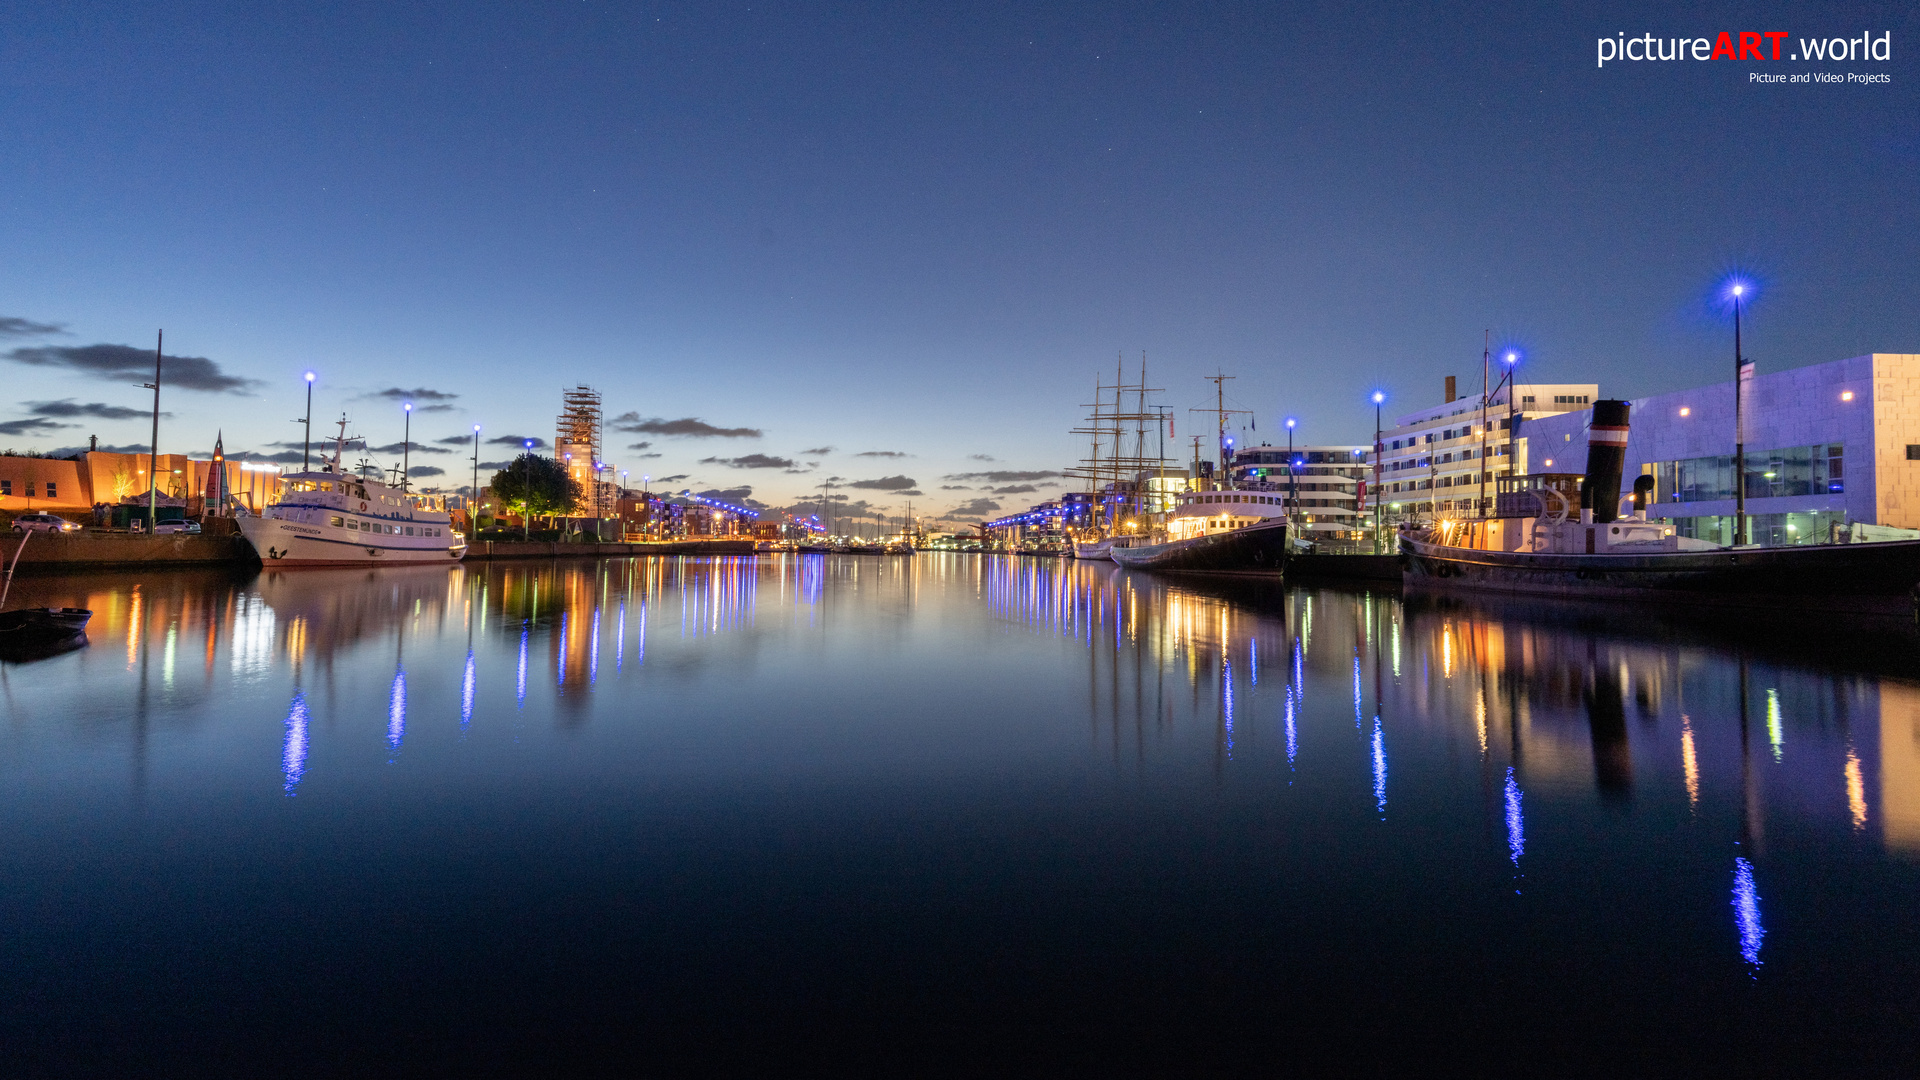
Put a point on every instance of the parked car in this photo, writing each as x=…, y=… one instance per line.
x=176, y=527
x=44, y=523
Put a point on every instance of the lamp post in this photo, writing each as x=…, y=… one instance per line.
x=473, y=490
x=306, y=439
x=1739, y=292
x=1378, y=399
x=526, y=498
x=406, y=447
x=1293, y=486
x=153, y=457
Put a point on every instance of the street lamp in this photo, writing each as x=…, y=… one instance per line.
x=1293, y=484
x=526, y=497
x=473, y=491
x=406, y=447
x=306, y=441
x=1738, y=292
x=1378, y=400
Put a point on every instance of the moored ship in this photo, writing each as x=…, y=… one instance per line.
x=1220, y=532
x=330, y=518
x=1560, y=534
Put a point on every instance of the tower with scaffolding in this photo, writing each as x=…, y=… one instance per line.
x=576, y=443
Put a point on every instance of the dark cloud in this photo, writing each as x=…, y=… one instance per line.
x=739, y=496
x=674, y=479
x=644, y=457
x=751, y=461
x=981, y=457
x=886, y=483
x=118, y=362
x=640, y=446
x=1016, y=489
x=68, y=408
x=883, y=453
x=31, y=425
x=284, y=457
x=426, y=470
x=956, y=487
x=818, y=451
x=495, y=465
x=130, y=448
x=978, y=508
x=690, y=427
x=1003, y=477
x=416, y=395
x=455, y=440
x=14, y=326
x=910, y=492
x=400, y=447
x=515, y=440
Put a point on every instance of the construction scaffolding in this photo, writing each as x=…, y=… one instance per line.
x=576, y=442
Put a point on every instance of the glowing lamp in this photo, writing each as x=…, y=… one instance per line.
x=1685, y=411
x=1378, y=397
x=309, y=376
x=1846, y=395
x=408, y=406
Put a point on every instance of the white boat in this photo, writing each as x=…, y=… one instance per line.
x=329, y=518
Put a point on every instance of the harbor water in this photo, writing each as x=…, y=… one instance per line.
x=951, y=812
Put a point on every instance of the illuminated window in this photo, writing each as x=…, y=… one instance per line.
x=334, y=521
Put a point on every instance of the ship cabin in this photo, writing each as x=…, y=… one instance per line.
x=1541, y=513
x=1200, y=513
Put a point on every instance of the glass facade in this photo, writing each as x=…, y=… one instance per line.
x=1767, y=530
x=1795, y=470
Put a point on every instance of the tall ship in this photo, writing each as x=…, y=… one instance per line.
x=1563, y=534
x=331, y=518
x=1229, y=529
x=1119, y=472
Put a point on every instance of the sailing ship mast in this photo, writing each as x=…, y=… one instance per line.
x=1117, y=472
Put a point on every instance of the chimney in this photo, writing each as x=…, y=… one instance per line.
x=1450, y=394
x=93, y=442
x=1606, y=459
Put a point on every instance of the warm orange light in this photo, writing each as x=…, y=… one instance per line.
x=1685, y=411
x=1846, y=395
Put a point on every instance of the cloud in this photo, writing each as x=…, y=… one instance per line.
x=882, y=453
x=67, y=408
x=981, y=457
x=751, y=461
x=1002, y=477
x=956, y=487
x=1016, y=489
x=284, y=457
x=455, y=440
x=736, y=495
x=14, y=326
x=910, y=491
x=886, y=483
x=118, y=362
x=674, y=479
x=515, y=440
x=395, y=393
x=496, y=465
x=400, y=448
x=818, y=451
x=639, y=446
x=691, y=427
x=978, y=508
x=426, y=470
x=644, y=457
x=30, y=425
x=130, y=448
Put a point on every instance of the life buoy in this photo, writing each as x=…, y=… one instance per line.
x=363, y=507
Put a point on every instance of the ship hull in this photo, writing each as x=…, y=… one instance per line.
x=1843, y=577
x=283, y=544
x=1256, y=549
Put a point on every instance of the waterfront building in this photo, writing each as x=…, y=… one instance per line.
x=73, y=486
x=1325, y=482
x=1430, y=459
x=1828, y=445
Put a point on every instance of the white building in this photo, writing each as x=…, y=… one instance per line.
x=1325, y=483
x=1431, y=460
x=1828, y=444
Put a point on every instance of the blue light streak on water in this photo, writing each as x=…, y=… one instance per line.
x=640, y=640
x=620, y=640
x=1293, y=735
x=1746, y=911
x=293, y=756
x=593, y=650
x=466, y=693
x=520, y=682
x=1379, y=770
x=397, y=711
x=1299, y=670
x=1357, y=722
x=1226, y=698
x=1516, y=827
x=1253, y=663
x=560, y=665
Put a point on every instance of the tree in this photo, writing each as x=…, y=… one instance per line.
x=538, y=485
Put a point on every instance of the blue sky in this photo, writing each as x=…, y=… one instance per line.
x=913, y=230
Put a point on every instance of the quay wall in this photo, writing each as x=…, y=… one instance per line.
x=489, y=550
x=48, y=552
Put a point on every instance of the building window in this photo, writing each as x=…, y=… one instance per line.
x=51, y=493
x=1913, y=452
x=1526, y=399
x=6, y=486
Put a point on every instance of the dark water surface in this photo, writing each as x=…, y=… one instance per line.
x=949, y=813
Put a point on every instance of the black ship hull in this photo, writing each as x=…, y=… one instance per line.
x=1842, y=577
x=1260, y=549
x=35, y=633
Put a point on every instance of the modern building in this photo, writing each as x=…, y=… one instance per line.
x=1828, y=444
x=1324, y=482
x=1431, y=460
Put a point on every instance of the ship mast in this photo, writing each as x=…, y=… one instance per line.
x=1221, y=412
